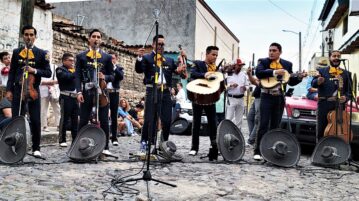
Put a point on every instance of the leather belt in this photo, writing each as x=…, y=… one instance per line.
x=236, y=96
x=273, y=92
x=112, y=90
x=158, y=86
x=72, y=95
x=328, y=98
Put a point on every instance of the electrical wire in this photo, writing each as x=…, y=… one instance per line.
x=286, y=12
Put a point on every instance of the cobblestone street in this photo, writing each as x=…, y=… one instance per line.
x=57, y=178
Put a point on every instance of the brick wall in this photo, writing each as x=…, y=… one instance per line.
x=131, y=87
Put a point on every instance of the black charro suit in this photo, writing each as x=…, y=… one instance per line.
x=326, y=90
x=271, y=105
x=114, y=96
x=197, y=72
x=68, y=102
x=164, y=106
x=84, y=74
x=42, y=66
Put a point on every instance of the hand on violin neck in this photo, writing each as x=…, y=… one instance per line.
x=31, y=70
x=183, y=54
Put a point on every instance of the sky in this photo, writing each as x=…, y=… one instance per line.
x=258, y=23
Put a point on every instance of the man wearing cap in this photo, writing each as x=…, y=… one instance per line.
x=272, y=100
x=237, y=82
x=328, y=83
x=312, y=93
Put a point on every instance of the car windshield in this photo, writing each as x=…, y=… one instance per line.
x=300, y=89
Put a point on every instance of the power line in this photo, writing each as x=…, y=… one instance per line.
x=289, y=14
x=212, y=29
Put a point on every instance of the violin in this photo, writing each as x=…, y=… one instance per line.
x=338, y=120
x=103, y=98
x=28, y=80
x=183, y=62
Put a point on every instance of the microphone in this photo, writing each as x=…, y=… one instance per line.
x=156, y=13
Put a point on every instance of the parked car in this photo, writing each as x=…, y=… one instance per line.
x=299, y=117
x=186, y=112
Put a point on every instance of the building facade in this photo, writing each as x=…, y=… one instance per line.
x=191, y=23
x=340, y=21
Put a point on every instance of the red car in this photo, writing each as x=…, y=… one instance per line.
x=299, y=117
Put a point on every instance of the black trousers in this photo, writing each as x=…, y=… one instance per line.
x=33, y=107
x=271, y=111
x=85, y=114
x=210, y=111
x=69, y=110
x=114, y=101
x=164, y=111
x=324, y=107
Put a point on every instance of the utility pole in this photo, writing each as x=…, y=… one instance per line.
x=26, y=17
x=300, y=51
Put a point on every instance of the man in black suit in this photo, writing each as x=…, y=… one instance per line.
x=204, y=69
x=38, y=65
x=272, y=100
x=86, y=81
x=328, y=84
x=69, y=106
x=145, y=64
x=113, y=89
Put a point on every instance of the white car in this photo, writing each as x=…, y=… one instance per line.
x=186, y=112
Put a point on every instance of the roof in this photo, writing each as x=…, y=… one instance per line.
x=335, y=15
x=209, y=9
x=42, y=4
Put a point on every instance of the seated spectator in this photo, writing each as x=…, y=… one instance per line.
x=5, y=112
x=312, y=93
x=127, y=118
x=136, y=114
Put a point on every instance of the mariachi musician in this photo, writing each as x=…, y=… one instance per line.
x=328, y=83
x=69, y=107
x=204, y=69
x=113, y=89
x=87, y=63
x=145, y=64
x=272, y=100
x=38, y=66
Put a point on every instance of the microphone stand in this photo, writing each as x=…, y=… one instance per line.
x=351, y=99
x=152, y=124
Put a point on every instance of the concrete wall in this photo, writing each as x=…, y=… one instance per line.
x=205, y=36
x=132, y=20
x=10, y=22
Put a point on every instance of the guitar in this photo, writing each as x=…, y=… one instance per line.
x=206, y=91
x=271, y=82
x=338, y=120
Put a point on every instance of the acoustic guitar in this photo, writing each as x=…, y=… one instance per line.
x=271, y=82
x=206, y=91
x=338, y=120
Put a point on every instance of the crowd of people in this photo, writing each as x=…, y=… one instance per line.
x=72, y=87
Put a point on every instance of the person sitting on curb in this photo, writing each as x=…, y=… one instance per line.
x=127, y=118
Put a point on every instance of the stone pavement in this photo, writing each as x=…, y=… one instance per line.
x=57, y=178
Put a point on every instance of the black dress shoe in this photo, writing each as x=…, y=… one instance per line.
x=213, y=154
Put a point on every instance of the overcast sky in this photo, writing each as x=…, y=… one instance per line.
x=257, y=23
